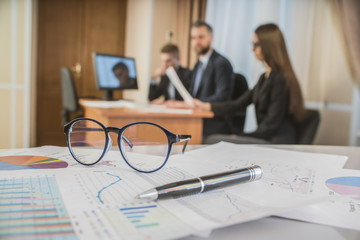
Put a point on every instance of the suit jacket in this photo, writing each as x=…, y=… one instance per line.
x=215, y=86
x=271, y=98
x=216, y=81
x=160, y=89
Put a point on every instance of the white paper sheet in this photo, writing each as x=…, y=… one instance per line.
x=174, y=78
x=94, y=202
x=109, y=104
x=99, y=199
x=153, y=108
x=343, y=206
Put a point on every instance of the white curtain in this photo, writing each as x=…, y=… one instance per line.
x=234, y=22
x=314, y=44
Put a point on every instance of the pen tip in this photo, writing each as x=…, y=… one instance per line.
x=148, y=195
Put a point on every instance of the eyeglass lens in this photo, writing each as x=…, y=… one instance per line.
x=146, y=140
x=137, y=142
x=84, y=135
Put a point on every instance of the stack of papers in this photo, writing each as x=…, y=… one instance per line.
x=45, y=193
x=150, y=108
x=109, y=104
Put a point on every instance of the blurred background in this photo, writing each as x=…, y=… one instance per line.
x=38, y=37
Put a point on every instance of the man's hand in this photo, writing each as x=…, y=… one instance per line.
x=157, y=101
x=205, y=106
x=161, y=71
x=177, y=104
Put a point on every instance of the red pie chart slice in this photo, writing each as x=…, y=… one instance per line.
x=30, y=162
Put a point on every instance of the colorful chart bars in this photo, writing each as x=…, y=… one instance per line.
x=32, y=208
x=145, y=220
x=30, y=162
x=137, y=215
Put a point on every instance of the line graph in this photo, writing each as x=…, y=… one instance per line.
x=108, y=188
x=232, y=207
x=111, y=187
x=104, y=188
x=292, y=178
x=166, y=175
x=285, y=176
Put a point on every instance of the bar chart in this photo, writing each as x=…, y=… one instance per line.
x=147, y=220
x=136, y=215
x=33, y=208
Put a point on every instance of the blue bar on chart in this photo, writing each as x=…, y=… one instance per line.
x=146, y=220
x=33, y=208
x=137, y=215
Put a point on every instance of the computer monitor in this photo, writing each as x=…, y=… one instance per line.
x=113, y=72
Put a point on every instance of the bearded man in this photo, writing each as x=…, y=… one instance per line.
x=212, y=76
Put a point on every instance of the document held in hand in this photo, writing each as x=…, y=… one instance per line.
x=174, y=78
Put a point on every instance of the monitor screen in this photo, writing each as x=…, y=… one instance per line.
x=114, y=72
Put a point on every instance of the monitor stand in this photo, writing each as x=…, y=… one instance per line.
x=108, y=95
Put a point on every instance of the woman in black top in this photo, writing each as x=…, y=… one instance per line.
x=277, y=95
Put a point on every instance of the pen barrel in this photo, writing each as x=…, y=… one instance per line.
x=179, y=189
x=226, y=179
x=207, y=183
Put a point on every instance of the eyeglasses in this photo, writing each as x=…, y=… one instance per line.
x=255, y=44
x=136, y=141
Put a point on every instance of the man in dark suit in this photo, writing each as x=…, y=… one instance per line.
x=212, y=76
x=169, y=56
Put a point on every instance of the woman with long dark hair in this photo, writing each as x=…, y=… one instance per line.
x=277, y=95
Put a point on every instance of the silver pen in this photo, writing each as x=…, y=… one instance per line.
x=202, y=184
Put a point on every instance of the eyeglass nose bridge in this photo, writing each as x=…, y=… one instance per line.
x=118, y=131
x=113, y=129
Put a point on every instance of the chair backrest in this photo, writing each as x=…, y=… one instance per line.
x=69, y=97
x=236, y=121
x=306, y=131
x=239, y=86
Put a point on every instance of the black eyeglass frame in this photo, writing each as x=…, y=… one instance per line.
x=255, y=44
x=172, y=138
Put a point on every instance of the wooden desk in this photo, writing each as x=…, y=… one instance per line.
x=178, y=123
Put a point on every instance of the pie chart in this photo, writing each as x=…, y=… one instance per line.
x=30, y=162
x=349, y=186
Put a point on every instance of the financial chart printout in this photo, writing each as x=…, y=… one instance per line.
x=343, y=205
x=32, y=208
x=30, y=162
x=98, y=202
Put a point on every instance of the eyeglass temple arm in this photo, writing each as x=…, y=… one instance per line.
x=90, y=129
x=181, y=138
x=128, y=141
x=87, y=129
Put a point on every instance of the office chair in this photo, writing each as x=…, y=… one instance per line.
x=237, y=120
x=306, y=130
x=69, y=96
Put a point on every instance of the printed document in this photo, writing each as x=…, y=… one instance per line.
x=174, y=78
x=92, y=202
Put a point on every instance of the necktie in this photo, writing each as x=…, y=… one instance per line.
x=199, y=73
